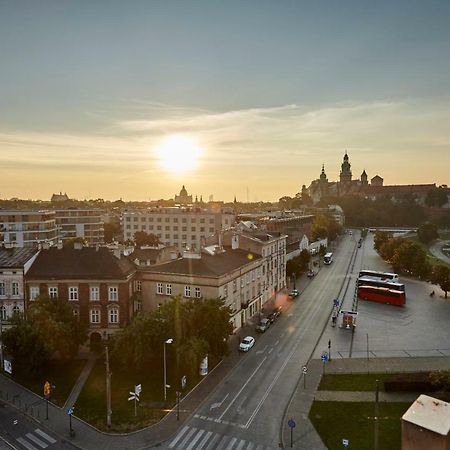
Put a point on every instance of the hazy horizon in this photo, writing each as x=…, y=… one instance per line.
x=261, y=93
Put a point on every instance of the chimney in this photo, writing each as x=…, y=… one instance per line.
x=77, y=245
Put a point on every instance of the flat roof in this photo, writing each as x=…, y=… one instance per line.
x=430, y=413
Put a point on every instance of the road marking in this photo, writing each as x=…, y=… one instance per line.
x=204, y=440
x=271, y=350
x=277, y=342
x=194, y=441
x=250, y=446
x=213, y=442
x=218, y=404
x=231, y=443
x=37, y=441
x=177, y=438
x=241, y=445
x=187, y=437
x=222, y=442
x=45, y=436
x=243, y=387
x=26, y=444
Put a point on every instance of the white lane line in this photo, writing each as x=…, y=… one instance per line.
x=240, y=445
x=277, y=342
x=45, y=436
x=250, y=446
x=231, y=443
x=218, y=404
x=243, y=387
x=188, y=436
x=222, y=442
x=178, y=436
x=26, y=444
x=260, y=447
x=271, y=350
x=194, y=441
x=204, y=440
x=37, y=441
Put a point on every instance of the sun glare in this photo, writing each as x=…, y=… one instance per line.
x=178, y=154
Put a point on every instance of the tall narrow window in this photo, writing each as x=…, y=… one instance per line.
x=187, y=291
x=198, y=293
x=53, y=292
x=34, y=292
x=113, y=294
x=95, y=315
x=15, y=288
x=73, y=293
x=168, y=289
x=2, y=288
x=94, y=293
x=114, y=315
x=159, y=288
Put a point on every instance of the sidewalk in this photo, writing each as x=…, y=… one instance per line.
x=305, y=435
x=87, y=437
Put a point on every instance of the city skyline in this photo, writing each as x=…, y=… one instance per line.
x=262, y=94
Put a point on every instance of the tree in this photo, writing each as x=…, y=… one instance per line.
x=111, y=230
x=58, y=328
x=388, y=248
x=380, y=238
x=142, y=238
x=410, y=258
x=25, y=345
x=427, y=232
x=325, y=227
x=441, y=276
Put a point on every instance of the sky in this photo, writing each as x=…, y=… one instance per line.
x=266, y=91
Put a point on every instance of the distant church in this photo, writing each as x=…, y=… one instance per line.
x=184, y=199
x=321, y=187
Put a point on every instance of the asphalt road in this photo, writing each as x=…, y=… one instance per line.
x=19, y=432
x=245, y=410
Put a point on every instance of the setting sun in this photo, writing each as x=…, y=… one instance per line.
x=178, y=154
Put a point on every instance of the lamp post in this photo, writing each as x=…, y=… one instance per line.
x=168, y=341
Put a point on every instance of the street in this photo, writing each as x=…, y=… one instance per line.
x=246, y=408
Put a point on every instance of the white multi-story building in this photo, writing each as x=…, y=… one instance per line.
x=84, y=223
x=186, y=228
x=14, y=264
x=28, y=228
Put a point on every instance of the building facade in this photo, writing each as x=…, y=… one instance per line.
x=14, y=264
x=98, y=285
x=185, y=228
x=19, y=228
x=83, y=223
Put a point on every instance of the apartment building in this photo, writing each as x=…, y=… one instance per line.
x=14, y=264
x=84, y=223
x=186, y=228
x=96, y=283
x=28, y=228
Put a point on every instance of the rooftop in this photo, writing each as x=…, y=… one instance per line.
x=15, y=257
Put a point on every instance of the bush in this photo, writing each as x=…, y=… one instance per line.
x=409, y=382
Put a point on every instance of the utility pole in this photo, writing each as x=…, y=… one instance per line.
x=108, y=390
x=376, y=419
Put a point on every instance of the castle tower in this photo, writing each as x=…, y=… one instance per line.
x=346, y=173
x=364, y=181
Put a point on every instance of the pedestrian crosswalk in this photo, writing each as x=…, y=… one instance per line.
x=191, y=438
x=37, y=440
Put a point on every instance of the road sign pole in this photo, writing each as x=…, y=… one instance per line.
x=135, y=406
x=304, y=381
x=292, y=441
x=46, y=409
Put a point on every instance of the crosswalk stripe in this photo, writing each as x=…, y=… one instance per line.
x=231, y=443
x=37, y=441
x=188, y=436
x=260, y=447
x=204, y=440
x=212, y=444
x=250, y=446
x=196, y=438
x=240, y=445
x=26, y=444
x=222, y=442
x=178, y=436
x=45, y=436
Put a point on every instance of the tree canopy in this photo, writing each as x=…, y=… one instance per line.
x=143, y=238
x=441, y=276
x=325, y=227
x=427, y=232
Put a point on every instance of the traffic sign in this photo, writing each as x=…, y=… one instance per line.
x=47, y=390
x=183, y=382
x=138, y=389
x=291, y=423
x=70, y=411
x=345, y=443
x=304, y=369
x=324, y=357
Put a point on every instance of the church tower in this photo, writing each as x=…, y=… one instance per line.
x=323, y=183
x=346, y=173
x=364, y=181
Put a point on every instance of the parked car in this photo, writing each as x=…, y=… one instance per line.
x=263, y=325
x=274, y=314
x=310, y=274
x=294, y=293
x=246, y=344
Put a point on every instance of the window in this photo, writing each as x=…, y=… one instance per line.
x=138, y=285
x=187, y=291
x=159, y=288
x=167, y=228
x=53, y=292
x=198, y=293
x=168, y=289
x=16, y=310
x=34, y=292
x=167, y=219
x=234, y=285
x=113, y=294
x=113, y=315
x=2, y=288
x=183, y=228
x=15, y=288
x=3, y=312
x=211, y=221
x=73, y=293
x=225, y=291
x=193, y=229
x=94, y=294
x=211, y=229
x=95, y=316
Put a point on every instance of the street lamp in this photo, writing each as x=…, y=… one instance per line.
x=168, y=341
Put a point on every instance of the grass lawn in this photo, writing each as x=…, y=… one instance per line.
x=352, y=382
x=354, y=421
x=91, y=404
x=61, y=374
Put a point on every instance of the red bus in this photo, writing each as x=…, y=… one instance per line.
x=382, y=295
